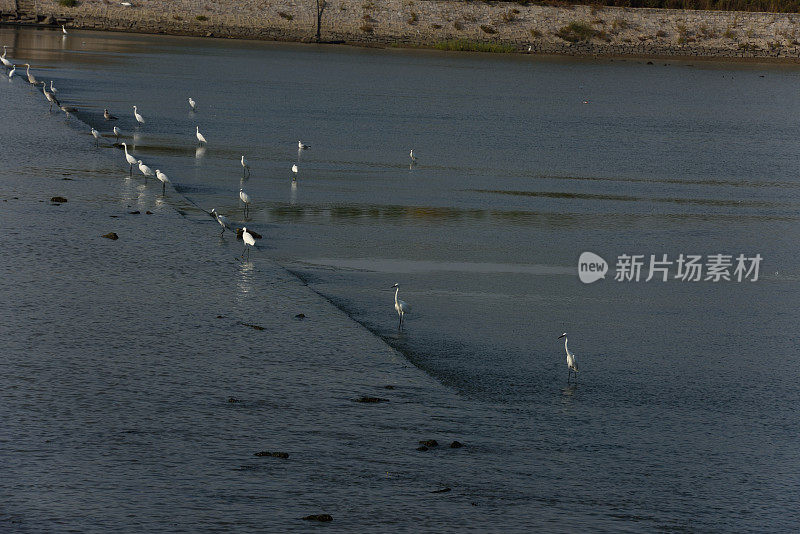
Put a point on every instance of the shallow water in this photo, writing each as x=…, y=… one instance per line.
x=683, y=415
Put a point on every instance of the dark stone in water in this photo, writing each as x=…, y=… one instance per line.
x=148, y=212
x=253, y=326
x=60, y=200
x=68, y=179
x=456, y=445
x=300, y=316
x=220, y=316
x=389, y=386
x=422, y=448
x=443, y=490
x=649, y=62
x=255, y=235
x=364, y=398
x=429, y=443
x=111, y=235
x=318, y=517
x=283, y=455
x=137, y=212
x=233, y=399
x=114, y=216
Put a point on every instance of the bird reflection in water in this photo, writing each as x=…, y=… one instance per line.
x=293, y=194
x=569, y=390
x=245, y=284
x=200, y=152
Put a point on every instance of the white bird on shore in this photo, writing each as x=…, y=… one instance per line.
x=245, y=167
x=130, y=159
x=246, y=199
x=192, y=104
x=413, y=157
x=200, y=137
x=138, y=117
x=400, y=306
x=12, y=71
x=126, y=4
x=108, y=116
x=144, y=169
x=247, y=237
x=53, y=88
x=64, y=29
x=117, y=133
x=31, y=78
x=6, y=63
x=222, y=220
x=572, y=364
x=163, y=179
x=96, y=136
x=301, y=146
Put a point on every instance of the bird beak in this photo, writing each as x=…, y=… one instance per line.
x=562, y=335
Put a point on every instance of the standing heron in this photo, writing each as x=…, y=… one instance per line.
x=572, y=364
x=53, y=88
x=144, y=169
x=247, y=237
x=246, y=199
x=96, y=136
x=192, y=104
x=401, y=307
x=163, y=179
x=200, y=138
x=117, y=133
x=63, y=29
x=6, y=63
x=108, y=116
x=412, y=156
x=222, y=220
x=130, y=159
x=31, y=78
x=245, y=168
x=49, y=96
x=12, y=71
x=139, y=118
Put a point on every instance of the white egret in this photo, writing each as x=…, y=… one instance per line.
x=222, y=220
x=6, y=63
x=245, y=167
x=144, y=169
x=96, y=136
x=108, y=116
x=245, y=198
x=126, y=4
x=192, y=104
x=572, y=364
x=200, y=137
x=130, y=159
x=163, y=179
x=413, y=157
x=52, y=88
x=401, y=307
x=117, y=133
x=12, y=71
x=301, y=146
x=63, y=29
x=247, y=237
x=138, y=117
x=31, y=77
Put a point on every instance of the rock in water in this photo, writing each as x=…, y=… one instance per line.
x=318, y=517
x=59, y=200
x=429, y=443
x=111, y=235
x=283, y=455
x=456, y=445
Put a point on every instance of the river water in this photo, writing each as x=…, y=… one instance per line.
x=684, y=414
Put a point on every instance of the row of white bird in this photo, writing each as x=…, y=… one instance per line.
x=400, y=306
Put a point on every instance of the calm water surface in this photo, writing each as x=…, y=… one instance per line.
x=684, y=417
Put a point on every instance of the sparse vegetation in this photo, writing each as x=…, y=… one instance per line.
x=488, y=29
x=286, y=16
x=68, y=3
x=367, y=28
x=535, y=33
x=457, y=25
x=462, y=45
x=176, y=17
x=661, y=33
x=436, y=26
x=769, y=6
x=412, y=18
x=201, y=18
x=575, y=32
